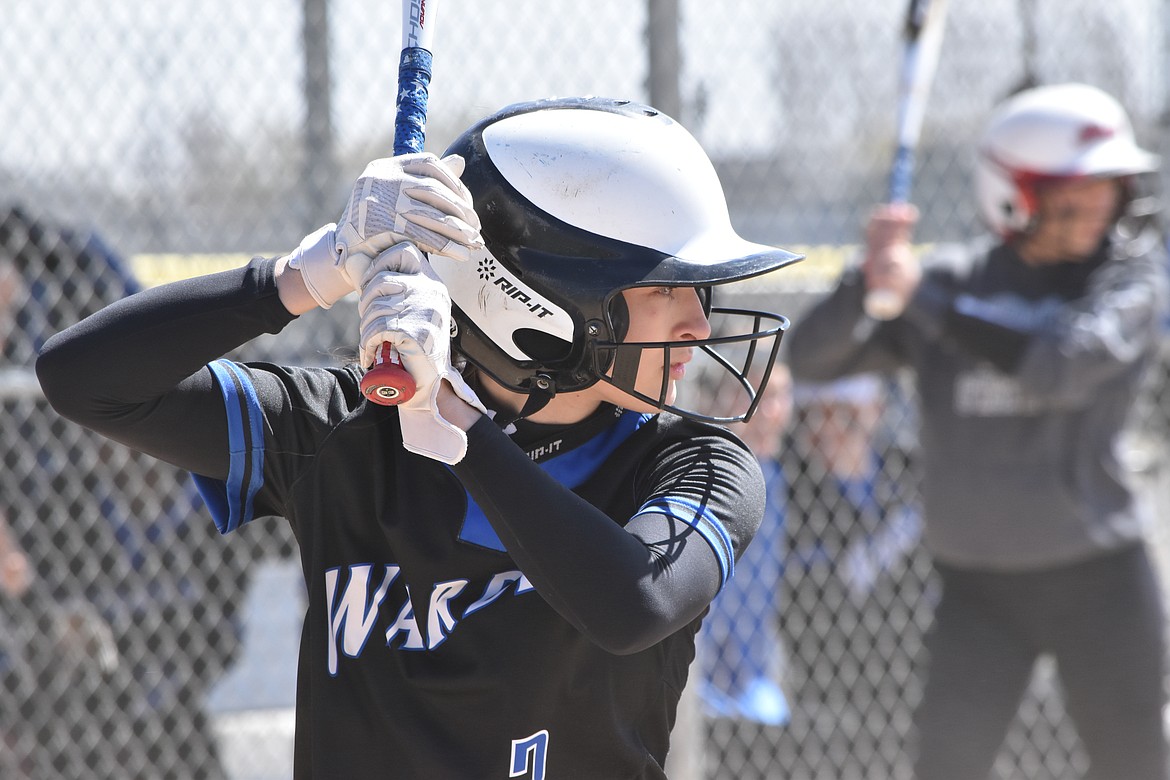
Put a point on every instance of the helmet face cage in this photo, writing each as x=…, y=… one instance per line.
x=540, y=309
x=1135, y=227
x=1017, y=200
x=1138, y=227
x=740, y=355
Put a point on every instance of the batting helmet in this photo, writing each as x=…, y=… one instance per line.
x=581, y=198
x=1047, y=134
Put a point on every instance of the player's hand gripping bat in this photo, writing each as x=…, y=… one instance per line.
x=387, y=382
x=925, y=20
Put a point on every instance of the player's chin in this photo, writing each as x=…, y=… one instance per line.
x=654, y=391
x=647, y=396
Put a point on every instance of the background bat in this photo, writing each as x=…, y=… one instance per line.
x=925, y=20
x=387, y=382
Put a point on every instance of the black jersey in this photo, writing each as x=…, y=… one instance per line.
x=463, y=622
x=1025, y=376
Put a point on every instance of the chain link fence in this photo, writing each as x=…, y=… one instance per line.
x=146, y=140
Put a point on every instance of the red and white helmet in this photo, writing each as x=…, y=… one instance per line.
x=1046, y=134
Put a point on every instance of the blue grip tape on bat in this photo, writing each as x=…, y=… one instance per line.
x=387, y=382
x=414, y=78
x=901, y=174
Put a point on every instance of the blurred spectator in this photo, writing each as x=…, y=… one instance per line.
x=1028, y=349
x=15, y=574
x=740, y=651
x=11, y=293
x=856, y=512
x=117, y=632
x=739, y=666
x=852, y=544
x=15, y=578
x=65, y=275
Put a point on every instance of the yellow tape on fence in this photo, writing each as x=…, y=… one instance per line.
x=155, y=269
x=821, y=267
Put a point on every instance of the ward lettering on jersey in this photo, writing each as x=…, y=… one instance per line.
x=986, y=392
x=356, y=597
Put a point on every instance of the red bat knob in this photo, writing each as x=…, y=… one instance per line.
x=387, y=382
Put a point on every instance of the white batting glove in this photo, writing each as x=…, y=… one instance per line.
x=327, y=278
x=411, y=197
x=404, y=303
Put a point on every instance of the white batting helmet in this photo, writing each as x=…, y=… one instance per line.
x=1046, y=134
x=580, y=199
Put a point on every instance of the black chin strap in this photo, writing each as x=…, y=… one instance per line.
x=543, y=391
x=625, y=367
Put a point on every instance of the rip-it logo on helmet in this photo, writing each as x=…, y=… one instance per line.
x=500, y=304
x=488, y=272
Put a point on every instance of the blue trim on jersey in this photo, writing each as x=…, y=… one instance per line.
x=570, y=469
x=696, y=515
x=231, y=501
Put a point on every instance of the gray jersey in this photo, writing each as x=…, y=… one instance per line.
x=1025, y=376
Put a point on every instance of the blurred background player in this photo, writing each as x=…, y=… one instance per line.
x=1028, y=348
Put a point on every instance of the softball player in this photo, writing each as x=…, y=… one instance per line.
x=1028, y=348
x=506, y=572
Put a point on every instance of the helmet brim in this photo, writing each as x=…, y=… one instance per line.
x=1116, y=157
x=751, y=260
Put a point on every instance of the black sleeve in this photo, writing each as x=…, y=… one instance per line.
x=835, y=338
x=1097, y=332
x=625, y=587
x=966, y=324
x=1115, y=324
x=136, y=370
